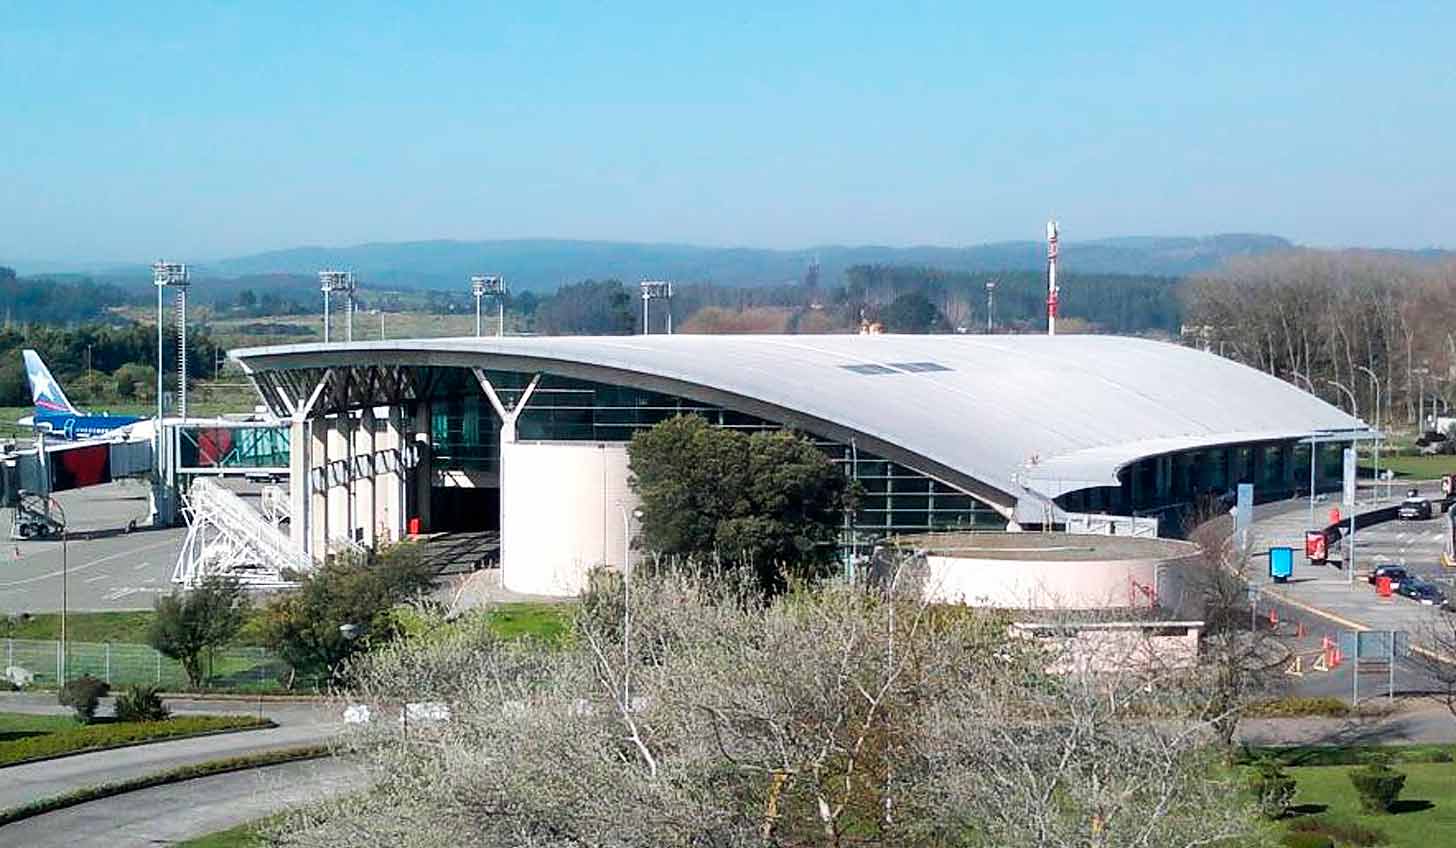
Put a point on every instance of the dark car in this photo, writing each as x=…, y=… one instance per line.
x=1397, y=574
x=1419, y=590
x=1414, y=508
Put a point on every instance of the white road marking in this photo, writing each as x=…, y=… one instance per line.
x=140, y=566
x=97, y=577
x=85, y=565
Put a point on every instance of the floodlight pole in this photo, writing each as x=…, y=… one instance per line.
x=991, y=306
x=651, y=290
x=164, y=275
x=493, y=285
x=340, y=281
x=477, y=289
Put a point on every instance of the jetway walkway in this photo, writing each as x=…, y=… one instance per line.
x=228, y=537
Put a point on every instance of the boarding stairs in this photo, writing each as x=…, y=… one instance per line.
x=226, y=536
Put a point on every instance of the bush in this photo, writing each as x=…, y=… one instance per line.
x=1307, y=840
x=1378, y=785
x=1293, y=707
x=140, y=703
x=1341, y=832
x=83, y=695
x=1273, y=790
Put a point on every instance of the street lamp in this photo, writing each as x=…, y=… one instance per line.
x=65, y=600
x=627, y=602
x=338, y=281
x=991, y=306
x=1355, y=411
x=490, y=286
x=655, y=289
x=1376, y=380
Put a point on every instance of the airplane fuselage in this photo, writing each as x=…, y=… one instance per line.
x=69, y=426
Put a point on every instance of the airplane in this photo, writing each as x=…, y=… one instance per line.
x=54, y=413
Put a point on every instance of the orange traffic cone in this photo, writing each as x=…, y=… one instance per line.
x=1273, y=618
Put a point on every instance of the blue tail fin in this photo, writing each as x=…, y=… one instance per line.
x=47, y=394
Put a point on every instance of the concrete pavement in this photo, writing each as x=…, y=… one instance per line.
x=186, y=810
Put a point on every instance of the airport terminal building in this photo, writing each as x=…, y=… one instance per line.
x=527, y=436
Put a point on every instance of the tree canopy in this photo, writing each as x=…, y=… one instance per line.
x=770, y=501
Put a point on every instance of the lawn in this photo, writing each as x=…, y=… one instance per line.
x=26, y=737
x=545, y=621
x=15, y=726
x=1426, y=812
x=242, y=836
x=80, y=626
x=1413, y=467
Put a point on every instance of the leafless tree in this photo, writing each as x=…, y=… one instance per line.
x=829, y=716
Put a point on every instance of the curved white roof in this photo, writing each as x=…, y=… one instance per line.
x=1052, y=414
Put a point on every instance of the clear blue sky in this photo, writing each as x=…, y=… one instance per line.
x=201, y=130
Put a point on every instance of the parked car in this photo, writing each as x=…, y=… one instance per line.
x=1414, y=508
x=1397, y=574
x=1425, y=593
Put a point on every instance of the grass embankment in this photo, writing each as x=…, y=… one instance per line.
x=27, y=737
x=1425, y=814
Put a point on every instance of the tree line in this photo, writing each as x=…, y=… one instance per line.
x=50, y=300
x=95, y=361
x=1316, y=318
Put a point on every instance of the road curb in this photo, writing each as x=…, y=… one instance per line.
x=164, y=778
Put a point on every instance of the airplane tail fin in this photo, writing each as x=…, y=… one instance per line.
x=44, y=390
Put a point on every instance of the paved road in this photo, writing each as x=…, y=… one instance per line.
x=107, y=568
x=1416, y=723
x=185, y=810
x=24, y=783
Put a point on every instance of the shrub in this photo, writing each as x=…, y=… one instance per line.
x=1299, y=839
x=1341, y=832
x=140, y=703
x=1272, y=788
x=1293, y=707
x=83, y=695
x=1378, y=785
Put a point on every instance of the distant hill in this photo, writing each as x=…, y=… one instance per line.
x=544, y=264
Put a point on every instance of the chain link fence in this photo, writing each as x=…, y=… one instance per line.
x=122, y=664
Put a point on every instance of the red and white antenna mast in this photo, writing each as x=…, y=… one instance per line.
x=1052, y=290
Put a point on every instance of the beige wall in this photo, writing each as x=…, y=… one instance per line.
x=1064, y=584
x=561, y=513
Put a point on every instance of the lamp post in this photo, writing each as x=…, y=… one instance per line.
x=1354, y=410
x=654, y=290
x=338, y=281
x=991, y=306
x=627, y=602
x=1376, y=380
x=65, y=582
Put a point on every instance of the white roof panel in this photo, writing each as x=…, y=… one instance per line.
x=1052, y=413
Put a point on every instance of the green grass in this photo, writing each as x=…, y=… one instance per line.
x=1414, y=467
x=544, y=621
x=1344, y=755
x=15, y=726
x=1425, y=815
x=81, y=626
x=76, y=737
x=242, y=836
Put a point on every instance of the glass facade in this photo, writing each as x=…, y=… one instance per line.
x=465, y=434
x=233, y=447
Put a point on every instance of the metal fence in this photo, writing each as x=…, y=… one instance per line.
x=121, y=664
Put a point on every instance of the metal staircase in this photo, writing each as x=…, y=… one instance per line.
x=227, y=536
